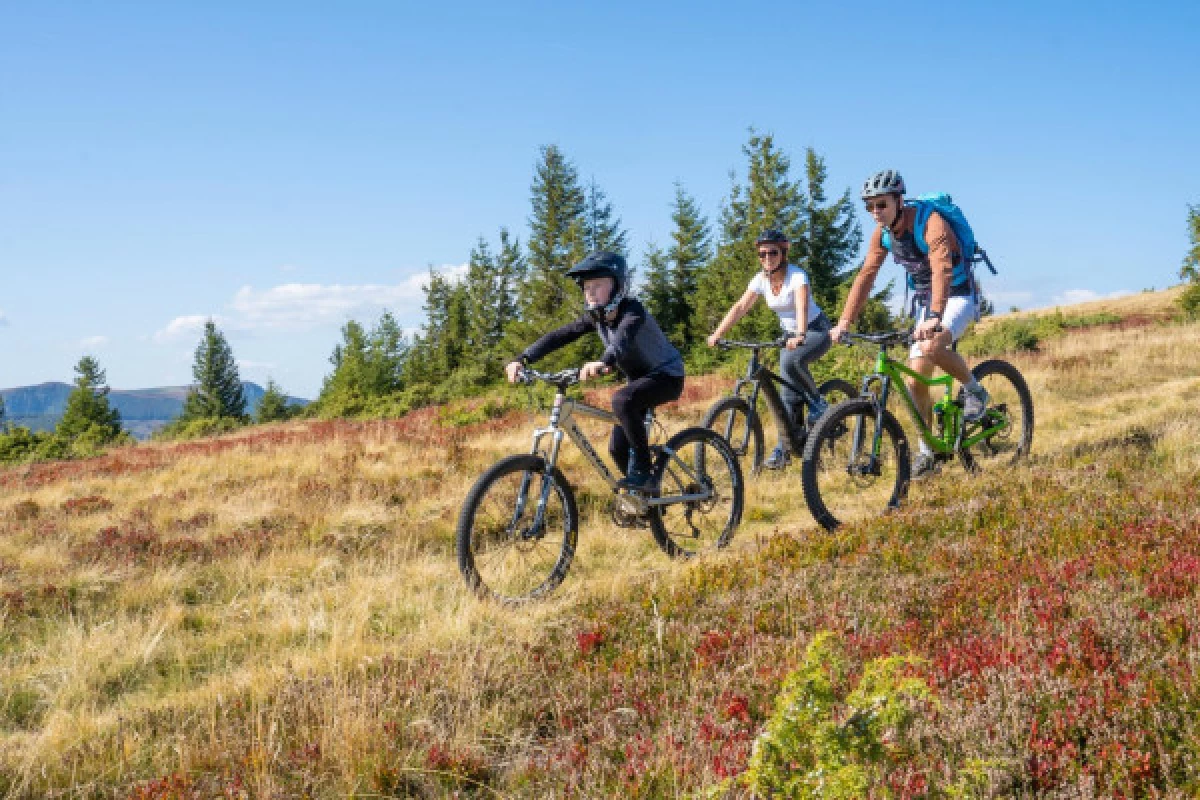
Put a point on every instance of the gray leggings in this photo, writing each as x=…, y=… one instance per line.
x=793, y=365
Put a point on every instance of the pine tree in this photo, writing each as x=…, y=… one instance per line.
x=88, y=410
x=1190, y=270
x=834, y=235
x=273, y=405
x=217, y=392
x=557, y=240
x=769, y=200
x=602, y=231
x=511, y=274
x=387, y=349
x=689, y=254
x=657, y=292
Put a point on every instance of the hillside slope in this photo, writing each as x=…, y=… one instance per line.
x=278, y=612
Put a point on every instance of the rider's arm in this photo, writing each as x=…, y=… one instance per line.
x=802, y=290
x=943, y=247
x=633, y=316
x=876, y=254
x=556, y=339
x=736, y=312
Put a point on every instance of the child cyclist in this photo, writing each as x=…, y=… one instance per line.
x=633, y=343
x=785, y=288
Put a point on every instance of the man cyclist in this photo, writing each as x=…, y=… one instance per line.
x=944, y=300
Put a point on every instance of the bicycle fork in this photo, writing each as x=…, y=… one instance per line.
x=880, y=404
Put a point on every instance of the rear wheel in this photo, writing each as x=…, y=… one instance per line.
x=842, y=478
x=505, y=551
x=733, y=420
x=1010, y=409
x=700, y=463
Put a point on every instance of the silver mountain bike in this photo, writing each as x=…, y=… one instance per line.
x=519, y=525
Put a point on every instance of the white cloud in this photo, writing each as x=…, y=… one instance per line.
x=1073, y=296
x=180, y=327
x=296, y=307
x=3, y=318
x=93, y=342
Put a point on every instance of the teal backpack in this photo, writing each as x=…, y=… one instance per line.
x=972, y=253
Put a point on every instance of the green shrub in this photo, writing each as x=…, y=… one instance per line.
x=182, y=429
x=826, y=741
x=1189, y=301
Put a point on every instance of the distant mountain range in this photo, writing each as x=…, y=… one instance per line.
x=143, y=411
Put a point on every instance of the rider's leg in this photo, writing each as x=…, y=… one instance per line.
x=793, y=365
x=630, y=404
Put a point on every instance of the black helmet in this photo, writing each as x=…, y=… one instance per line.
x=886, y=182
x=772, y=236
x=602, y=264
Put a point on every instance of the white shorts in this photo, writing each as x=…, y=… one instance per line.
x=957, y=316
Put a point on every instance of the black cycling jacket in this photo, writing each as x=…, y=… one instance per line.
x=633, y=342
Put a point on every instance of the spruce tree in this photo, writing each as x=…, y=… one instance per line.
x=557, y=240
x=770, y=199
x=689, y=254
x=387, y=350
x=834, y=235
x=217, y=389
x=602, y=228
x=88, y=410
x=1190, y=269
x=273, y=405
x=656, y=291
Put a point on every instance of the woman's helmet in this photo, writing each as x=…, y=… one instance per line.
x=602, y=264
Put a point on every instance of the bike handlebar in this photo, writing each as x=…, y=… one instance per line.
x=561, y=379
x=729, y=344
x=885, y=338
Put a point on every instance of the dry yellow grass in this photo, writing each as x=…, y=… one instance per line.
x=247, y=595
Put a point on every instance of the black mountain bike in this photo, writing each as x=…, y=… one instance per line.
x=737, y=418
x=519, y=524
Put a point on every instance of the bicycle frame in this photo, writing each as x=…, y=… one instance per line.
x=760, y=378
x=952, y=439
x=562, y=423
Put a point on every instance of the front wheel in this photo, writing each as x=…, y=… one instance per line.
x=844, y=476
x=699, y=465
x=738, y=424
x=1009, y=412
x=511, y=548
x=835, y=390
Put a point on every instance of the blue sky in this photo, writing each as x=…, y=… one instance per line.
x=283, y=167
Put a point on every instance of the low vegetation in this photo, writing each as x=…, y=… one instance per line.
x=277, y=613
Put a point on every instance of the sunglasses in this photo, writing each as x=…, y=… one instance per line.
x=768, y=253
x=879, y=205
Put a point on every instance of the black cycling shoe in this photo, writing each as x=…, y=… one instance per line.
x=779, y=459
x=638, y=480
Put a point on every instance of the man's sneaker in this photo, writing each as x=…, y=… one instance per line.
x=778, y=459
x=923, y=465
x=975, y=403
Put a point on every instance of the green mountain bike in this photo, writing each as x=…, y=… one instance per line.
x=738, y=418
x=856, y=460
x=519, y=524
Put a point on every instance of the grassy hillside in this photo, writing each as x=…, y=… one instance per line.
x=278, y=613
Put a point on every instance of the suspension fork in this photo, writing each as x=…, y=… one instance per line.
x=880, y=401
x=551, y=461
